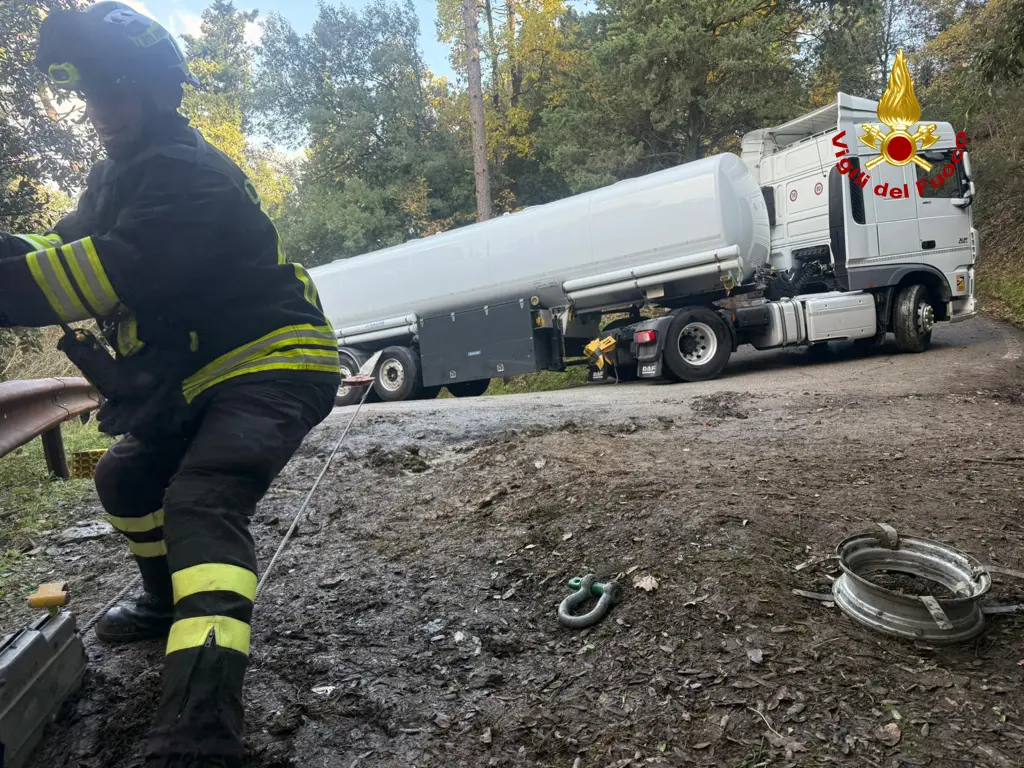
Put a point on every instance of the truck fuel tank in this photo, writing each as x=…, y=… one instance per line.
x=808, y=319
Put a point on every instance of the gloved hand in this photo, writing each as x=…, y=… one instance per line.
x=160, y=416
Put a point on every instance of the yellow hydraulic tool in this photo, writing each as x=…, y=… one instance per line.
x=52, y=597
x=597, y=353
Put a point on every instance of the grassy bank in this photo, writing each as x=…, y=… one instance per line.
x=32, y=505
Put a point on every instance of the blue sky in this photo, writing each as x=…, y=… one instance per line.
x=183, y=16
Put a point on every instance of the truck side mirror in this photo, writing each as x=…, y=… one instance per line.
x=966, y=200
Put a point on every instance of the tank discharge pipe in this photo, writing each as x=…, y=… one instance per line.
x=377, y=325
x=648, y=281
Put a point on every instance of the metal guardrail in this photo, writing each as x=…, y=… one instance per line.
x=31, y=409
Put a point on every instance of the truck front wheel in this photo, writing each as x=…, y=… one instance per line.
x=398, y=376
x=698, y=345
x=469, y=388
x=914, y=320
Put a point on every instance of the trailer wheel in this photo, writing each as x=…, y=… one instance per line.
x=398, y=375
x=914, y=320
x=469, y=388
x=348, y=395
x=698, y=345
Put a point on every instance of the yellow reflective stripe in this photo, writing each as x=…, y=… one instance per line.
x=148, y=549
x=36, y=241
x=91, y=277
x=193, y=341
x=193, y=633
x=142, y=524
x=53, y=239
x=53, y=281
x=128, y=336
x=310, y=292
x=214, y=577
x=293, y=335
x=326, y=361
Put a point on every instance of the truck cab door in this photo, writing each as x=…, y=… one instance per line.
x=944, y=196
x=895, y=209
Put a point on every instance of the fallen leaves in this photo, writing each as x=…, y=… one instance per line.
x=756, y=655
x=889, y=735
x=646, y=583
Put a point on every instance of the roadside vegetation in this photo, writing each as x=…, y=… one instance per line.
x=33, y=506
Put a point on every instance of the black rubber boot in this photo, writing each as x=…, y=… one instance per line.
x=146, y=618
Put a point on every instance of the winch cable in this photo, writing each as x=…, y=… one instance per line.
x=309, y=496
x=284, y=542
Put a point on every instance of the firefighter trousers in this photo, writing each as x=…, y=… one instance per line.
x=184, y=505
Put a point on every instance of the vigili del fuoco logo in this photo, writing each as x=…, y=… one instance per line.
x=898, y=109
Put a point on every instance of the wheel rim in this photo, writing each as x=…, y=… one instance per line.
x=925, y=318
x=391, y=376
x=345, y=373
x=697, y=344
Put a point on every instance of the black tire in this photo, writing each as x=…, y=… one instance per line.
x=698, y=345
x=348, y=395
x=469, y=388
x=819, y=350
x=870, y=345
x=398, y=376
x=914, y=319
x=429, y=393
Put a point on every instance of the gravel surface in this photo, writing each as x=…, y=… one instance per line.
x=412, y=620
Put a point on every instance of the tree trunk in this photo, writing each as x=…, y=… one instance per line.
x=495, y=77
x=476, y=112
x=515, y=57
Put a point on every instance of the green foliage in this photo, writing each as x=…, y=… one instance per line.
x=545, y=381
x=42, y=145
x=32, y=504
x=664, y=83
x=220, y=108
x=977, y=85
x=356, y=92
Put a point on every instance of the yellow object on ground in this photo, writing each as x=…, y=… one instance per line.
x=83, y=463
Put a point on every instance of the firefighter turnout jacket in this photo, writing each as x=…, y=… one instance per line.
x=171, y=250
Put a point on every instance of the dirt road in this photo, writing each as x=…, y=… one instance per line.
x=412, y=621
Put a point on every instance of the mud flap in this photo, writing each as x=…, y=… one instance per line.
x=649, y=369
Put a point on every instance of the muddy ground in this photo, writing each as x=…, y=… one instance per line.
x=412, y=621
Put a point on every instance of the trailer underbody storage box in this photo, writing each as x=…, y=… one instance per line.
x=484, y=343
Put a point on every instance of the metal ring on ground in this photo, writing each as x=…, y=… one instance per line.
x=944, y=620
x=612, y=594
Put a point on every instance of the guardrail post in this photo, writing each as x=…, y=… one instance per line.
x=53, y=450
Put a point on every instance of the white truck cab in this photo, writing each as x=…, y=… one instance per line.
x=880, y=225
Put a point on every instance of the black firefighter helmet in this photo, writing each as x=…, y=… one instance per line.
x=110, y=46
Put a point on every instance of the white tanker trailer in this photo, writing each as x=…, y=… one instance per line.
x=523, y=292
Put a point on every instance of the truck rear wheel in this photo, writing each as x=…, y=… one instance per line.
x=914, y=320
x=348, y=395
x=469, y=388
x=698, y=345
x=398, y=376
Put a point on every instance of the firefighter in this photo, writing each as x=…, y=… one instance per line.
x=222, y=363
